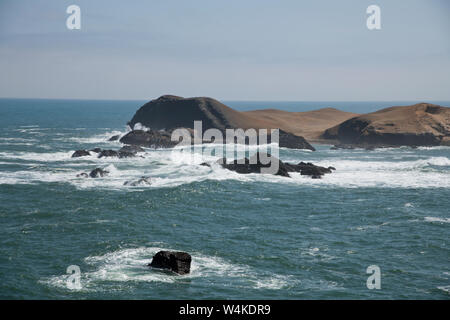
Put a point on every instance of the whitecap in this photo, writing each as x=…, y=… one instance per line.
x=444, y=288
x=437, y=219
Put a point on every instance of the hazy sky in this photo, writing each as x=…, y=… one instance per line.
x=226, y=49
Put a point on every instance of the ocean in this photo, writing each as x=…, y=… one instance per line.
x=250, y=236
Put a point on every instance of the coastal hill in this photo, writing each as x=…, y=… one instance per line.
x=421, y=124
x=170, y=112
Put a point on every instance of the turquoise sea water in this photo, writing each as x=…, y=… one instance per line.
x=250, y=236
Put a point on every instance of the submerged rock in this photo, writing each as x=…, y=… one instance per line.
x=176, y=261
x=80, y=153
x=141, y=182
x=114, y=138
x=98, y=172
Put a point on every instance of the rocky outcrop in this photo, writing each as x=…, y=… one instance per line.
x=309, y=169
x=176, y=261
x=422, y=124
x=254, y=165
x=80, y=153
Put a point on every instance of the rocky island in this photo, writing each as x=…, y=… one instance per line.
x=421, y=124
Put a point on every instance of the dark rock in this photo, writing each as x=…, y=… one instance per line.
x=205, y=164
x=98, y=172
x=149, y=139
x=176, y=261
x=114, y=138
x=142, y=181
x=96, y=150
x=308, y=169
x=332, y=168
x=80, y=153
x=82, y=175
x=119, y=154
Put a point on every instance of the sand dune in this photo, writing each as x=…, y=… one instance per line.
x=309, y=124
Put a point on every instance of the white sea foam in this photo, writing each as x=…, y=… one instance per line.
x=444, y=288
x=276, y=282
x=130, y=264
x=174, y=167
x=12, y=140
x=37, y=156
x=437, y=219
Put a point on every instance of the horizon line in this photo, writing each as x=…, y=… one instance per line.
x=230, y=100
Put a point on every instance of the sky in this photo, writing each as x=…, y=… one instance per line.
x=278, y=50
